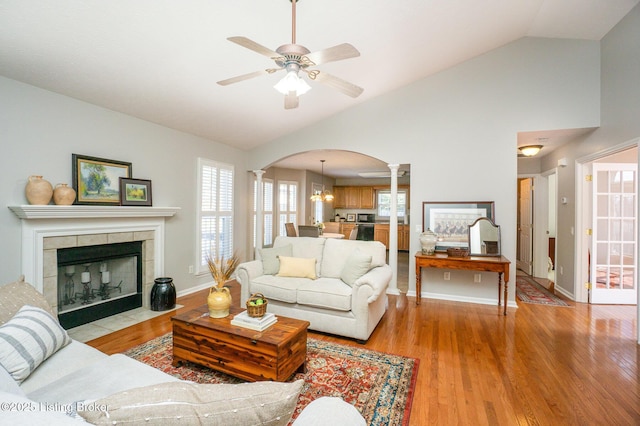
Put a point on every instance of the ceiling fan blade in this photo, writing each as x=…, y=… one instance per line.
x=247, y=76
x=291, y=101
x=252, y=45
x=331, y=54
x=345, y=87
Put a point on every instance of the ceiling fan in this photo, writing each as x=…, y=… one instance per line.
x=294, y=58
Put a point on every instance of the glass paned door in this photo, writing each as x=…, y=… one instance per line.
x=614, y=244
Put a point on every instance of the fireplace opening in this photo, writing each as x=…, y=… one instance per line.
x=96, y=282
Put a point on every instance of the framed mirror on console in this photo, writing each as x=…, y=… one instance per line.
x=450, y=220
x=484, y=238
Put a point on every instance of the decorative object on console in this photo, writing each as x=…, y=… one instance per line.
x=96, y=180
x=428, y=240
x=135, y=192
x=484, y=238
x=457, y=252
x=38, y=191
x=450, y=220
x=63, y=195
x=163, y=294
x=219, y=299
x=257, y=305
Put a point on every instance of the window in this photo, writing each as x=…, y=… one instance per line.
x=384, y=203
x=287, y=205
x=267, y=211
x=215, y=211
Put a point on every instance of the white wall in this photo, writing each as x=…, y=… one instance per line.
x=39, y=130
x=457, y=130
x=620, y=51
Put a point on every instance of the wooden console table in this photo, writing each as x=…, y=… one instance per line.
x=469, y=263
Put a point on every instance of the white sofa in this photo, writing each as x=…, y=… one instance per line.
x=347, y=297
x=77, y=384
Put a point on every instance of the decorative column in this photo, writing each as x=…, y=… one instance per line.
x=259, y=206
x=393, y=230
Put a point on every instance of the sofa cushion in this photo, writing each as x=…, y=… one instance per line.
x=304, y=247
x=337, y=252
x=259, y=403
x=329, y=293
x=297, y=267
x=15, y=295
x=29, y=338
x=67, y=360
x=270, y=261
x=115, y=373
x=358, y=264
x=273, y=287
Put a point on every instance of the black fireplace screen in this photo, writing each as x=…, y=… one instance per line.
x=95, y=282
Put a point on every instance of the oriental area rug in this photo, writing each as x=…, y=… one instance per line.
x=529, y=291
x=379, y=385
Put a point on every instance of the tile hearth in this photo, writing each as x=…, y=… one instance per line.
x=108, y=325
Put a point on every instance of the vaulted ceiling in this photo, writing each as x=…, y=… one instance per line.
x=160, y=60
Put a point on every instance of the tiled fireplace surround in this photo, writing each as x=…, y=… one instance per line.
x=45, y=229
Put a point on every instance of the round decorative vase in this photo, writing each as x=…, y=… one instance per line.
x=63, y=195
x=428, y=241
x=38, y=191
x=219, y=302
x=163, y=294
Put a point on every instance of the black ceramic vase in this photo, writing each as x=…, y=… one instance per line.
x=163, y=294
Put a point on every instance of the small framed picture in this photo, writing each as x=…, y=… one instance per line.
x=135, y=192
x=351, y=217
x=96, y=179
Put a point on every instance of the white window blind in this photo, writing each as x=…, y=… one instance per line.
x=215, y=210
x=267, y=211
x=287, y=204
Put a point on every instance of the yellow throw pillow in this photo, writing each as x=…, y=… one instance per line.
x=297, y=267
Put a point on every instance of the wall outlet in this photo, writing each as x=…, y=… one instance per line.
x=561, y=270
x=477, y=278
x=191, y=269
x=447, y=276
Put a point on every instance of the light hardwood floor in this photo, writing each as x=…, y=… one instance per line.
x=537, y=366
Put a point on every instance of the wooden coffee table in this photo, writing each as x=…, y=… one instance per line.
x=273, y=354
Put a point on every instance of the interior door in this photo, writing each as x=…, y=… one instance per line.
x=524, y=261
x=614, y=243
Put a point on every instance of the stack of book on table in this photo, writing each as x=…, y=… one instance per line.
x=244, y=320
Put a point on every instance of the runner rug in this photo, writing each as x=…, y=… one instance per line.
x=529, y=291
x=379, y=385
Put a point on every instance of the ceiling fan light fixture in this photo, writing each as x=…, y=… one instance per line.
x=530, y=150
x=292, y=82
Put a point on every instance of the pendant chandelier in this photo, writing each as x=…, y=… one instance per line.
x=325, y=194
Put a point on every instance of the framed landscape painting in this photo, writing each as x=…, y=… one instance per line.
x=450, y=220
x=97, y=180
x=135, y=192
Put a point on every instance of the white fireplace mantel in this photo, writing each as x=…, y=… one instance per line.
x=88, y=212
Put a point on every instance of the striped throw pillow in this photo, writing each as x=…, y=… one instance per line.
x=29, y=338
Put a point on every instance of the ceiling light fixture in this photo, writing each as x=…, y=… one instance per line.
x=292, y=82
x=325, y=194
x=530, y=150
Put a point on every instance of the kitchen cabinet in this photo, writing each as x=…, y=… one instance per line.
x=354, y=197
x=381, y=233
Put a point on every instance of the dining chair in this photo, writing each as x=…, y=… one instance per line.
x=354, y=233
x=332, y=227
x=308, y=231
x=291, y=229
